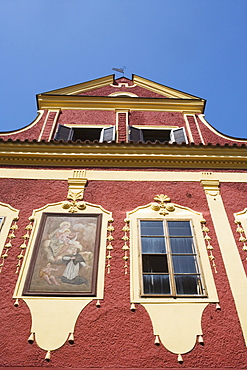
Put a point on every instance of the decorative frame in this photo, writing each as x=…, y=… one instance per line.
x=8, y=227
x=65, y=245
x=163, y=209
x=166, y=313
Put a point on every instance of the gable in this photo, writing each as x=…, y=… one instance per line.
x=108, y=85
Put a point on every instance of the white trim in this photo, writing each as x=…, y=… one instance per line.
x=121, y=93
x=188, y=128
x=54, y=125
x=199, y=130
x=39, y=116
x=201, y=116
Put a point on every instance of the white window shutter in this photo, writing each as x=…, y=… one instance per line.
x=64, y=133
x=178, y=135
x=108, y=134
x=135, y=134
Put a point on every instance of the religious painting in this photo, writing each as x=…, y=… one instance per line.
x=65, y=256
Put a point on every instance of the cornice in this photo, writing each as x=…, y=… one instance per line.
x=50, y=101
x=162, y=89
x=84, y=86
x=121, y=155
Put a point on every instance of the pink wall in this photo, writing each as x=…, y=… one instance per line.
x=113, y=336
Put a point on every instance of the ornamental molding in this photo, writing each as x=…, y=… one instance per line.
x=50, y=101
x=142, y=155
x=211, y=187
x=76, y=191
x=162, y=207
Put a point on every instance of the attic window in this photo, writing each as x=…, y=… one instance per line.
x=66, y=133
x=177, y=135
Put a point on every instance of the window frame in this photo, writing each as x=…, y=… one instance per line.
x=142, y=128
x=180, y=213
x=71, y=129
x=171, y=273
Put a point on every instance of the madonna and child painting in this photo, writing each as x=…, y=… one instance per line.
x=65, y=256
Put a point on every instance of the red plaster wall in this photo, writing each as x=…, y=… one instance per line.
x=156, y=118
x=107, y=90
x=112, y=336
x=87, y=117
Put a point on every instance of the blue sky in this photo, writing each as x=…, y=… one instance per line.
x=199, y=47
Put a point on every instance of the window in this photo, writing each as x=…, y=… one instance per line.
x=169, y=259
x=1, y=222
x=67, y=133
x=168, y=254
x=177, y=135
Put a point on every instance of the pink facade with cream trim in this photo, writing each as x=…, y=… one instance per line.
x=123, y=121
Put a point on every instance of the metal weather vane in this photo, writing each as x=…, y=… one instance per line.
x=120, y=70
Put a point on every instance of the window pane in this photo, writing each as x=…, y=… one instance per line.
x=152, y=263
x=152, y=228
x=184, y=264
x=182, y=245
x=153, y=245
x=188, y=284
x=179, y=228
x=156, y=284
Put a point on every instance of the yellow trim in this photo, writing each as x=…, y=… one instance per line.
x=46, y=101
x=122, y=155
x=108, y=175
x=137, y=81
x=229, y=251
x=85, y=86
x=162, y=89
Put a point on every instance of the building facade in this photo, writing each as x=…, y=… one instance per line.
x=123, y=232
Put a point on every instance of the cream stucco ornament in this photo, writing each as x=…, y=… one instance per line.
x=176, y=320
x=54, y=316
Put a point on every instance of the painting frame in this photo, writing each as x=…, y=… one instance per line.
x=59, y=255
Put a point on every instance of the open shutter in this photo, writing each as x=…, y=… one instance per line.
x=135, y=134
x=64, y=133
x=107, y=134
x=178, y=135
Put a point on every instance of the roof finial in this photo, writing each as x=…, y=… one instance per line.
x=120, y=70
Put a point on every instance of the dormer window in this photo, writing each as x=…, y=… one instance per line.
x=172, y=135
x=67, y=133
